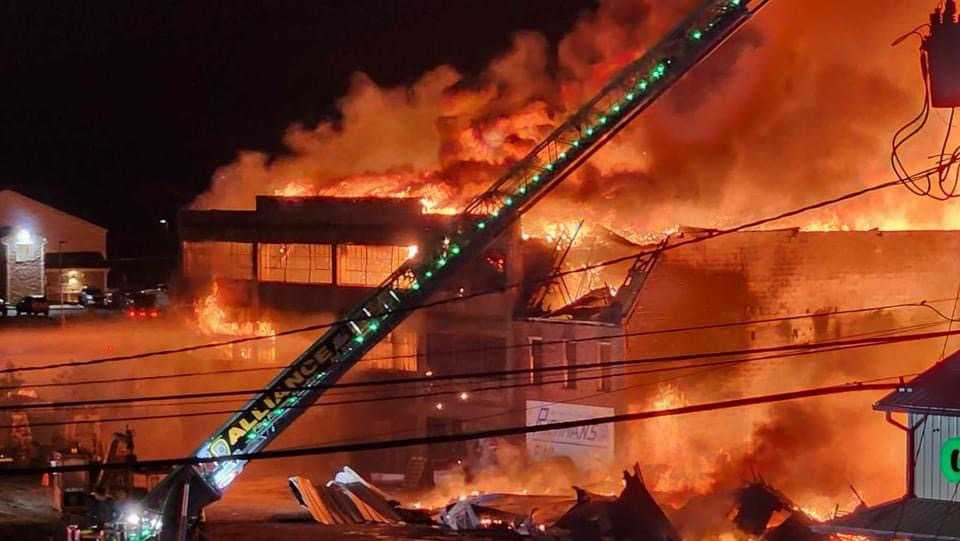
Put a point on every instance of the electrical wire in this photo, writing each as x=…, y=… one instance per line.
x=515, y=430
x=810, y=346
x=708, y=326
x=458, y=389
x=445, y=392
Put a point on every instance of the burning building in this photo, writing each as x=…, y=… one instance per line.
x=300, y=257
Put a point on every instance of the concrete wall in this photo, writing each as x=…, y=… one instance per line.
x=76, y=234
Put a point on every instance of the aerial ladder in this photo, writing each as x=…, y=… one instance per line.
x=179, y=499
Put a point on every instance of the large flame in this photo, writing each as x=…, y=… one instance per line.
x=212, y=319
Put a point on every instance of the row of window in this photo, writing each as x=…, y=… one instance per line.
x=604, y=381
x=357, y=265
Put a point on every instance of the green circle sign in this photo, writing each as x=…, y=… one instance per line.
x=950, y=460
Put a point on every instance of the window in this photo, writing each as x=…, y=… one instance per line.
x=218, y=260
x=361, y=265
x=570, y=374
x=606, y=372
x=397, y=352
x=296, y=263
x=26, y=251
x=536, y=360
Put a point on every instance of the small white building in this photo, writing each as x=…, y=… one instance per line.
x=74, y=253
x=930, y=509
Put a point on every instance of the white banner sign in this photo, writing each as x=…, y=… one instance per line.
x=589, y=447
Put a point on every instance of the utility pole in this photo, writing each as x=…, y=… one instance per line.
x=60, y=244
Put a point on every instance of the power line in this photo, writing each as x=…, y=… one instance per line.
x=810, y=346
x=460, y=298
x=451, y=386
x=443, y=392
x=709, y=326
x=466, y=436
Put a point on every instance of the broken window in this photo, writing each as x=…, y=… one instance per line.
x=536, y=360
x=398, y=351
x=209, y=259
x=606, y=372
x=363, y=265
x=296, y=263
x=570, y=374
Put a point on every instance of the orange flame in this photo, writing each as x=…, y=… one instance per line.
x=212, y=319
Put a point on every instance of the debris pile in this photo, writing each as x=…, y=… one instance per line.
x=350, y=499
x=632, y=516
x=756, y=504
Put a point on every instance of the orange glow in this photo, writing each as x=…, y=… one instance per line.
x=295, y=189
x=212, y=319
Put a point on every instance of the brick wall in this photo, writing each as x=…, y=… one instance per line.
x=757, y=275
x=23, y=277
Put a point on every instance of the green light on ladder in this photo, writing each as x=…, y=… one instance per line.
x=428, y=274
x=602, y=120
x=441, y=262
x=616, y=108
x=481, y=225
x=536, y=178
x=358, y=339
x=562, y=156
x=549, y=167
x=373, y=326
x=522, y=190
x=696, y=34
x=455, y=249
x=589, y=131
x=642, y=85
x=415, y=285
x=508, y=201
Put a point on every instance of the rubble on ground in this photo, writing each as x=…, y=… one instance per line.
x=632, y=516
x=350, y=499
x=756, y=505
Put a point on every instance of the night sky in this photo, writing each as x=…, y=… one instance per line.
x=119, y=112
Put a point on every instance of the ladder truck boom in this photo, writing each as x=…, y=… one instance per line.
x=189, y=488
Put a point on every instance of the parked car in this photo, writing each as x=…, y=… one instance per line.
x=34, y=305
x=143, y=306
x=92, y=296
x=3, y=307
x=117, y=299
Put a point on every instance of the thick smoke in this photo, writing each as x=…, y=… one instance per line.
x=799, y=105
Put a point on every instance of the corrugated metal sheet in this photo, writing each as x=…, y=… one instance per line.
x=928, y=441
x=934, y=391
x=348, y=499
x=912, y=518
